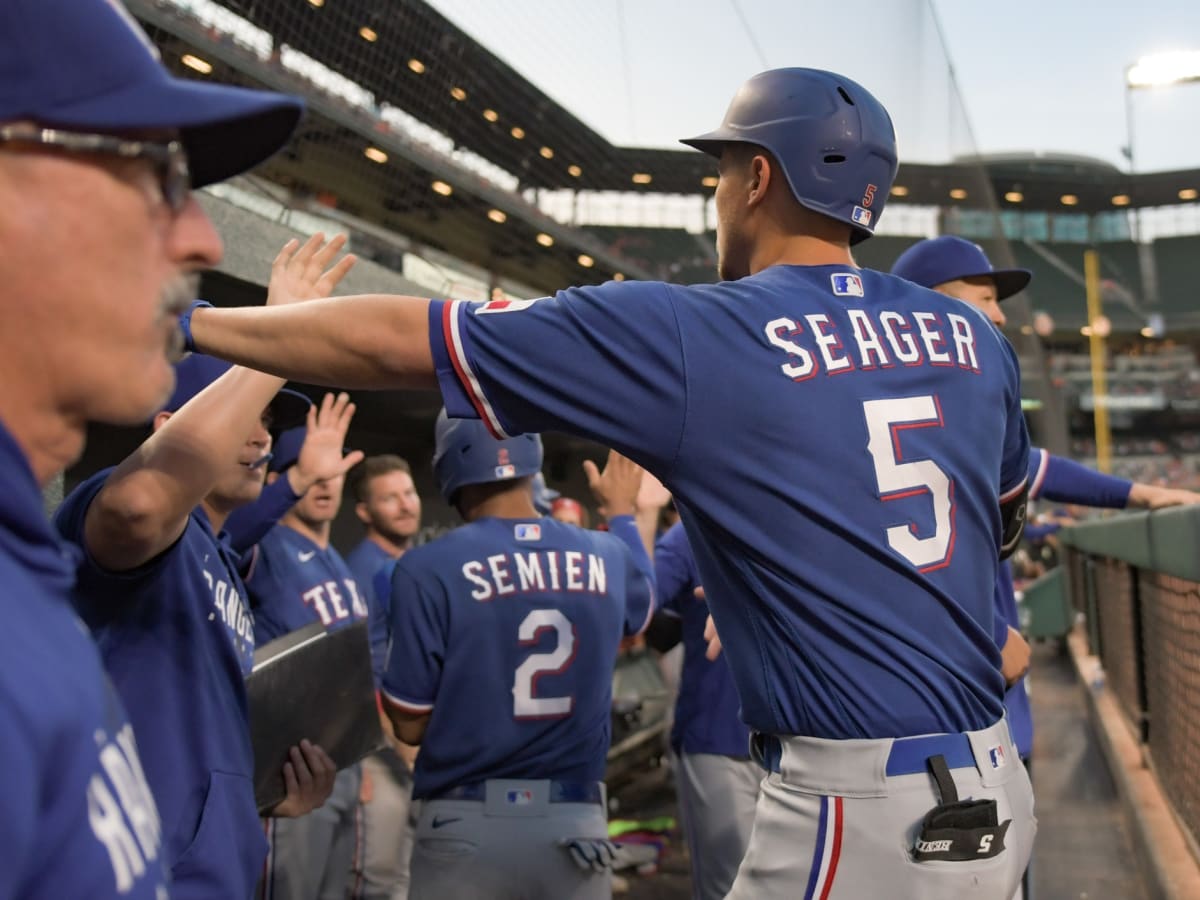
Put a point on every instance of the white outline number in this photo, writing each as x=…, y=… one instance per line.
x=898, y=479
x=525, y=704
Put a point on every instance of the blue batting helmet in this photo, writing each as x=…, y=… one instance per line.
x=834, y=141
x=465, y=453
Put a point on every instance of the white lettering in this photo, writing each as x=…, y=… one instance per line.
x=933, y=846
x=356, y=601
x=574, y=561
x=472, y=571
x=529, y=571
x=108, y=825
x=597, y=576
x=129, y=796
x=804, y=367
x=964, y=342
x=553, y=560
x=313, y=597
x=335, y=597
x=890, y=321
x=500, y=574
x=827, y=343
x=867, y=339
x=932, y=338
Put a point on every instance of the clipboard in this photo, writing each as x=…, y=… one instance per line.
x=314, y=684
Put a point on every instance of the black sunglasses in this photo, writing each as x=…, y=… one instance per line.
x=169, y=158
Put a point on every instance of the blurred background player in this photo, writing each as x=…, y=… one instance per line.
x=161, y=590
x=716, y=780
x=387, y=503
x=961, y=269
x=570, y=512
x=98, y=250
x=504, y=634
x=297, y=578
x=160, y=587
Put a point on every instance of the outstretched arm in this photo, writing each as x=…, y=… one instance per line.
x=369, y=341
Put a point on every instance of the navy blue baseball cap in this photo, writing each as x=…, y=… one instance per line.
x=196, y=371
x=286, y=450
x=86, y=65
x=950, y=258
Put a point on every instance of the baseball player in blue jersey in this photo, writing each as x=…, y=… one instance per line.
x=295, y=579
x=101, y=239
x=504, y=634
x=715, y=778
x=848, y=457
x=960, y=268
x=161, y=590
x=388, y=504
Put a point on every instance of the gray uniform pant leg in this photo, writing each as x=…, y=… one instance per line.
x=310, y=857
x=834, y=828
x=717, y=796
x=472, y=855
x=387, y=822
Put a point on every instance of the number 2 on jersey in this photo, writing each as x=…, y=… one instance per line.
x=525, y=704
x=897, y=479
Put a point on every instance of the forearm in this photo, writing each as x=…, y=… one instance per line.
x=371, y=341
x=1066, y=481
x=145, y=503
x=249, y=524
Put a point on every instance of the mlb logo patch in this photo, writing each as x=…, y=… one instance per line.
x=847, y=284
x=522, y=797
x=527, y=532
x=502, y=472
x=996, y=755
x=861, y=217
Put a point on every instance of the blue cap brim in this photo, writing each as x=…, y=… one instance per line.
x=226, y=130
x=1008, y=281
x=289, y=409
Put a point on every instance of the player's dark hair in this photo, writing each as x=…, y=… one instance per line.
x=374, y=466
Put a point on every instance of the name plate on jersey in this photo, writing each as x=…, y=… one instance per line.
x=312, y=684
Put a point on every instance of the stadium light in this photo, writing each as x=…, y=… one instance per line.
x=491, y=115
x=1189, y=194
x=203, y=66
x=1121, y=200
x=1014, y=196
x=547, y=153
x=958, y=194
x=458, y=93
x=368, y=34
x=518, y=132
x=899, y=190
x=618, y=276
x=709, y=181
x=497, y=216
x=545, y=240
x=642, y=178
x=317, y=3
x=574, y=171
x=1164, y=69
x=1069, y=200
x=375, y=155
x=441, y=187
x=417, y=66
x=586, y=261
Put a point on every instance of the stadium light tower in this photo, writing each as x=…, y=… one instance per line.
x=1158, y=70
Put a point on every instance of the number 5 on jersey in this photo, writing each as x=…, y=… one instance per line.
x=555, y=662
x=897, y=479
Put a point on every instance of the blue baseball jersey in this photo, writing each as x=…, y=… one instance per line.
x=838, y=442
x=77, y=818
x=178, y=640
x=1016, y=698
x=707, y=718
x=1066, y=481
x=506, y=630
x=366, y=561
x=249, y=524
x=294, y=582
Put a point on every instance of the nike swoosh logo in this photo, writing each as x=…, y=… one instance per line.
x=305, y=557
x=438, y=823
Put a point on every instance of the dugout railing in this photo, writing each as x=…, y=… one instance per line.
x=1136, y=580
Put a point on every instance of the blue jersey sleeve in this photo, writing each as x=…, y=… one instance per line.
x=639, y=587
x=417, y=652
x=1014, y=469
x=526, y=366
x=674, y=570
x=1066, y=481
x=379, y=627
x=247, y=525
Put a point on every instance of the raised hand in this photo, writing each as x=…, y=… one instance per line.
x=324, y=441
x=308, y=272
x=616, y=488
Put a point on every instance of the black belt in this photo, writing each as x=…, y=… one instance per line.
x=560, y=792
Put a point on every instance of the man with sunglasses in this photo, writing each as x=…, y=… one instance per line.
x=98, y=248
